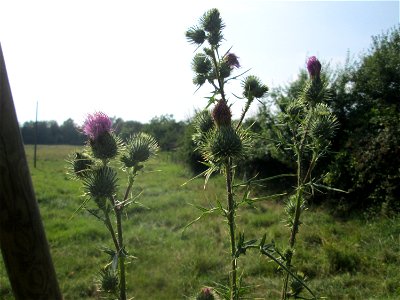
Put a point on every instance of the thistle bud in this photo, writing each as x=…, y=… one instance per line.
x=222, y=114
x=109, y=281
x=207, y=294
x=139, y=149
x=196, y=35
x=225, y=143
x=314, y=68
x=201, y=64
x=203, y=124
x=224, y=69
x=101, y=184
x=104, y=146
x=232, y=60
x=199, y=79
x=211, y=21
x=253, y=88
x=81, y=164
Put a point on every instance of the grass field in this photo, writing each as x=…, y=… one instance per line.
x=357, y=258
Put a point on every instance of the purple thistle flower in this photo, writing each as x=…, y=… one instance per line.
x=313, y=67
x=232, y=60
x=96, y=125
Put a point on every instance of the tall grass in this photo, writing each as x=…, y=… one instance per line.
x=357, y=258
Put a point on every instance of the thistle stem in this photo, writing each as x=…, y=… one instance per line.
x=110, y=228
x=244, y=112
x=295, y=226
x=121, y=254
x=231, y=223
x=220, y=81
x=118, y=209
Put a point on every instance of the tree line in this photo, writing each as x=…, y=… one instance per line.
x=165, y=129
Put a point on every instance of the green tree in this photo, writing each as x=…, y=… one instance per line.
x=166, y=131
x=368, y=159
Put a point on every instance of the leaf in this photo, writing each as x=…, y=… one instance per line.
x=329, y=188
x=209, y=211
x=283, y=266
x=83, y=204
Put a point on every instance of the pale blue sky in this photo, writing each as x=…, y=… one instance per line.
x=130, y=59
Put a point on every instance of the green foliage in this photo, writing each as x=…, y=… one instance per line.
x=166, y=131
x=364, y=158
x=342, y=260
x=368, y=159
x=50, y=133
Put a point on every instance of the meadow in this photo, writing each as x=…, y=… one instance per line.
x=348, y=258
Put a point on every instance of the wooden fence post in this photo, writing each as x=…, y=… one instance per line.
x=23, y=241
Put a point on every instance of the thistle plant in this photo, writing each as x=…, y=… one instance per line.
x=221, y=140
x=95, y=167
x=307, y=126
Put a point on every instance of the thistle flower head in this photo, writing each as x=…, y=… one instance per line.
x=105, y=146
x=222, y=114
x=225, y=142
x=232, y=60
x=224, y=69
x=253, y=88
x=101, y=184
x=211, y=21
x=96, y=125
x=80, y=164
x=313, y=67
x=207, y=293
x=196, y=35
x=199, y=79
x=140, y=147
x=203, y=124
x=201, y=64
x=109, y=280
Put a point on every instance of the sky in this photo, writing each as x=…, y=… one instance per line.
x=130, y=59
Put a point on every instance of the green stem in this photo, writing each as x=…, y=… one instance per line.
x=244, y=112
x=110, y=228
x=121, y=254
x=295, y=225
x=118, y=209
x=219, y=79
x=231, y=223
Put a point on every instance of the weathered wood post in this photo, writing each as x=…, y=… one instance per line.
x=23, y=242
